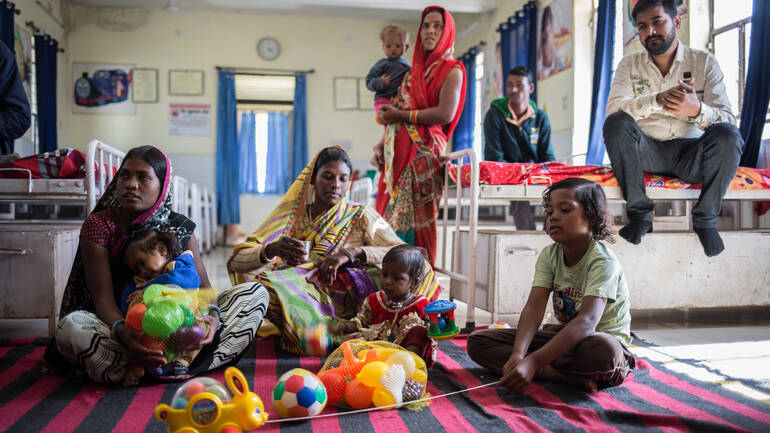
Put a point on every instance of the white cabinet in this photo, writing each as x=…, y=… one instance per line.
x=35, y=262
x=667, y=270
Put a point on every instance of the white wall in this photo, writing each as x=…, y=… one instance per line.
x=332, y=46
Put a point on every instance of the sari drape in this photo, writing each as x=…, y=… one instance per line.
x=409, y=191
x=297, y=298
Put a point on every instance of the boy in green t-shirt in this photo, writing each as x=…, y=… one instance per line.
x=590, y=299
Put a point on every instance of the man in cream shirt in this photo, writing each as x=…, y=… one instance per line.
x=668, y=114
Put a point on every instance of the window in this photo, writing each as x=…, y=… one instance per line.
x=730, y=45
x=262, y=94
x=478, y=127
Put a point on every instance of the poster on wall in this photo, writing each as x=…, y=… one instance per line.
x=102, y=88
x=554, y=42
x=629, y=25
x=23, y=47
x=189, y=120
x=22, y=40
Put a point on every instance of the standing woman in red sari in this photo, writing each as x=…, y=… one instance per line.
x=420, y=121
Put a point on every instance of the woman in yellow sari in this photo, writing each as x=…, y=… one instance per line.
x=348, y=241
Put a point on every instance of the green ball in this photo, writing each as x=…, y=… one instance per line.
x=162, y=318
x=189, y=317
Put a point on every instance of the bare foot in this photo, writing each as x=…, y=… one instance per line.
x=549, y=373
x=133, y=373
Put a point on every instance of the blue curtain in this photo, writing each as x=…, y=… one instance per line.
x=277, y=180
x=299, y=127
x=6, y=24
x=248, y=154
x=757, y=94
x=6, y=37
x=46, y=49
x=605, y=43
x=518, y=42
x=228, y=191
x=463, y=135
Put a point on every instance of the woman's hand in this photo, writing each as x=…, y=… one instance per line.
x=389, y=114
x=290, y=250
x=131, y=340
x=518, y=373
x=329, y=266
x=211, y=319
x=378, y=160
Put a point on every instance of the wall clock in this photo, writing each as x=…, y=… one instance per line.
x=268, y=48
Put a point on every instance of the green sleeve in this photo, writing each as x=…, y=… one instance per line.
x=544, y=147
x=602, y=279
x=545, y=270
x=493, y=148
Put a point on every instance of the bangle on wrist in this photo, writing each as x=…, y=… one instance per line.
x=263, y=254
x=215, y=308
x=413, y=116
x=351, y=257
x=115, y=330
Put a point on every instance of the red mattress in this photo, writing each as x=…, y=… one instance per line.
x=501, y=173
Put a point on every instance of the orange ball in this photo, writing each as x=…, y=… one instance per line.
x=358, y=395
x=134, y=316
x=153, y=343
x=195, y=387
x=335, y=386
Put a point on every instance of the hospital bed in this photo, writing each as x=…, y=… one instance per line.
x=40, y=228
x=492, y=268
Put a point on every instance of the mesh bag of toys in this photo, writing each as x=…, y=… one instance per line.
x=170, y=319
x=362, y=374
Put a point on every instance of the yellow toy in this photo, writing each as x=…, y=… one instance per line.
x=203, y=405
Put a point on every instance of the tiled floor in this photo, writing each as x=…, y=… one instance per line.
x=725, y=343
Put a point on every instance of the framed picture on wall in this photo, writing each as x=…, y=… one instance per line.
x=102, y=88
x=345, y=93
x=365, y=96
x=185, y=82
x=144, y=85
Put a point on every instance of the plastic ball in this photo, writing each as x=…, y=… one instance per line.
x=151, y=342
x=193, y=388
x=198, y=385
x=299, y=393
x=230, y=429
x=189, y=316
x=371, y=373
x=441, y=323
x=162, y=318
x=381, y=397
x=134, y=316
x=179, y=403
x=335, y=386
x=218, y=391
x=404, y=359
x=186, y=337
x=158, y=292
x=419, y=376
x=358, y=395
x=316, y=340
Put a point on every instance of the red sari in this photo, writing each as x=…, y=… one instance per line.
x=409, y=190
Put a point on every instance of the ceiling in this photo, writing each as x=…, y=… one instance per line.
x=366, y=9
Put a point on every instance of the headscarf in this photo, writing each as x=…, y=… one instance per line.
x=158, y=217
x=328, y=231
x=423, y=83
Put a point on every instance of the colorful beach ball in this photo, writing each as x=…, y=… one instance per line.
x=316, y=340
x=299, y=393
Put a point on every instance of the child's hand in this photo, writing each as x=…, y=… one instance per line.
x=385, y=79
x=517, y=375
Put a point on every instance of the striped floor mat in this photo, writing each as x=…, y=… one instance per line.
x=655, y=397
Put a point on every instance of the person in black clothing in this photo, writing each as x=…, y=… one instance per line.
x=14, y=107
x=385, y=77
x=516, y=130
